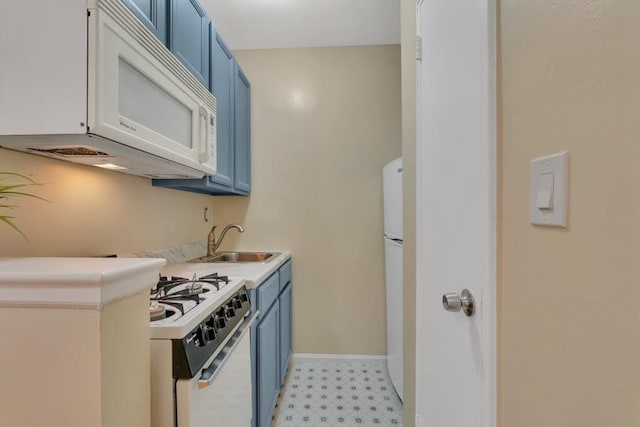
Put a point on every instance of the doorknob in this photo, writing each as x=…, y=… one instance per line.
x=464, y=302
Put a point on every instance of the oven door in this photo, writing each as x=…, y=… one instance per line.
x=221, y=395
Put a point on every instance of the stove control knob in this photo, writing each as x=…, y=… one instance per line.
x=211, y=322
x=219, y=321
x=201, y=339
x=209, y=333
x=230, y=311
x=243, y=297
x=237, y=302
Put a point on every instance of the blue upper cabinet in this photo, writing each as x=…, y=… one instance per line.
x=222, y=71
x=185, y=28
x=153, y=14
x=232, y=90
x=242, y=129
x=189, y=37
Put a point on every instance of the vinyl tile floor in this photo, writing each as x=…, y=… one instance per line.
x=337, y=392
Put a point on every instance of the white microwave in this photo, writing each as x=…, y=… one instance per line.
x=89, y=83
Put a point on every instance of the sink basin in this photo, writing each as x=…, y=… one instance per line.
x=238, y=257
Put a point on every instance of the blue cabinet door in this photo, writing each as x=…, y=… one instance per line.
x=222, y=81
x=189, y=37
x=153, y=14
x=232, y=90
x=285, y=330
x=254, y=359
x=268, y=372
x=242, y=128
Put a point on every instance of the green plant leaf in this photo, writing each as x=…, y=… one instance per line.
x=19, y=193
x=14, y=174
x=8, y=190
x=7, y=220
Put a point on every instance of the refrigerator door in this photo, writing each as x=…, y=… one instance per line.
x=392, y=195
x=393, y=273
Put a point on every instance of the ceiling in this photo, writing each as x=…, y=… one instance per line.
x=271, y=24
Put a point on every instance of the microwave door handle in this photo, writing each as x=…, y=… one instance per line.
x=204, y=144
x=210, y=373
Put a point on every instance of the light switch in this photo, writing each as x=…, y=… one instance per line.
x=545, y=191
x=549, y=190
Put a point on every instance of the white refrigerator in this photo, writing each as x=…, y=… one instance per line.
x=392, y=196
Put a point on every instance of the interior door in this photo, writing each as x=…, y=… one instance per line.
x=455, y=353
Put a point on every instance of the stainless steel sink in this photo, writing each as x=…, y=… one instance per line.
x=238, y=257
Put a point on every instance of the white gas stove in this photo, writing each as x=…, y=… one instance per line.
x=199, y=324
x=179, y=302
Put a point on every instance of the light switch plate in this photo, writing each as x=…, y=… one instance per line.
x=558, y=166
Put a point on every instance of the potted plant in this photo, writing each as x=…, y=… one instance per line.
x=11, y=186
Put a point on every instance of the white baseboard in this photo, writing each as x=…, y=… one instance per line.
x=306, y=356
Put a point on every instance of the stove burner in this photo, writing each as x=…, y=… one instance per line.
x=165, y=284
x=174, y=298
x=194, y=288
x=161, y=311
x=214, y=279
x=177, y=295
x=157, y=311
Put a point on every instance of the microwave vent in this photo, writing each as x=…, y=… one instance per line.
x=71, y=151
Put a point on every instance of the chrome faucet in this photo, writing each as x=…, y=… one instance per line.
x=213, y=244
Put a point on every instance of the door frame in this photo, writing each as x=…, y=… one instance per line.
x=488, y=308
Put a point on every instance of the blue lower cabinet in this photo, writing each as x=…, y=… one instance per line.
x=270, y=345
x=285, y=331
x=268, y=372
x=153, y=14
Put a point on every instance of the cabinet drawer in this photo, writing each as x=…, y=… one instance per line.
x=285, y=274
x=268, y=292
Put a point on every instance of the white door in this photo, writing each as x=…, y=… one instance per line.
x=456, y=164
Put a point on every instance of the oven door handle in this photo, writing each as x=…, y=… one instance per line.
x=210, y=373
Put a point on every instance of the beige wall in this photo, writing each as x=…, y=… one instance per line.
x=78, y=367
x=95, y=212
x=325, y=121
x=408, y=27
x=39, y=367
x=125, y=356
x=570, y=326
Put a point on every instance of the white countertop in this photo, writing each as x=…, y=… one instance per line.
x=253, y=273
x=74, y=282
